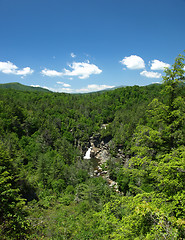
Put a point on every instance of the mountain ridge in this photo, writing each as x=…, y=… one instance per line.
x=22, y=87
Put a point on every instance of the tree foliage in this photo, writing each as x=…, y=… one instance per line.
x=47, y=189
x=13, y=223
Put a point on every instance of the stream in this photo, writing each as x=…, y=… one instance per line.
x=95, y=161
x=98, y=171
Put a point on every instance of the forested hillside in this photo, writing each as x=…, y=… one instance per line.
x=18, y=86
x=47, y=190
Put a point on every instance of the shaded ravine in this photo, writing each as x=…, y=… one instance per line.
x=99, y=158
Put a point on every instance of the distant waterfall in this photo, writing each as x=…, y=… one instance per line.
x=88, y=154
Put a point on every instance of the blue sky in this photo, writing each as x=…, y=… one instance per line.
x=88, y=45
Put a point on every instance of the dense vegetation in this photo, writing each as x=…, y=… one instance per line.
x=46, y=188
x=18, y=86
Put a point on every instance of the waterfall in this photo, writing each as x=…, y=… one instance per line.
x=88, y=154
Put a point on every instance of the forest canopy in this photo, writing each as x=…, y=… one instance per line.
x=46, y=187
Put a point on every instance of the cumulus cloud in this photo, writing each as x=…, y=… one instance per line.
x=35, y=85
x=93, y=88
x=133, y=62
x=65, y=90
x=51, y=73
x=10, y=68
x=59, y=89
x=158, y=65
x=25, y=71
x=64, y=84
x=51, y=89
x=150, y=74
x=7, y=67
x=73, y=55
x=82, y=70
x=89, y=88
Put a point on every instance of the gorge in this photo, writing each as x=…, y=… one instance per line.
x=98, y=154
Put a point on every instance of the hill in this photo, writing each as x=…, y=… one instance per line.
x=21, y=87
x=50, y=191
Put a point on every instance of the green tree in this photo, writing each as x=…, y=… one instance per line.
x=174, y=82
x=13, y=224
x=155, y=176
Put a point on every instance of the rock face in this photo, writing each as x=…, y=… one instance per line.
x=103, y=155
x=100, y=151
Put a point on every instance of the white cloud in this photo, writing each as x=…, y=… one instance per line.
x=51, y=73
x=94, y=87
x=89, y=88
x=7, y=67
x=66, y=90
x=64, y=84
x=55, y=89
x=10, y=68
x=51, y=89
x=82, y=70
x=150, y=74
x=35, y=85
x=25, y=71
x=133, y=62
x=158, y=65
x=73, y=55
